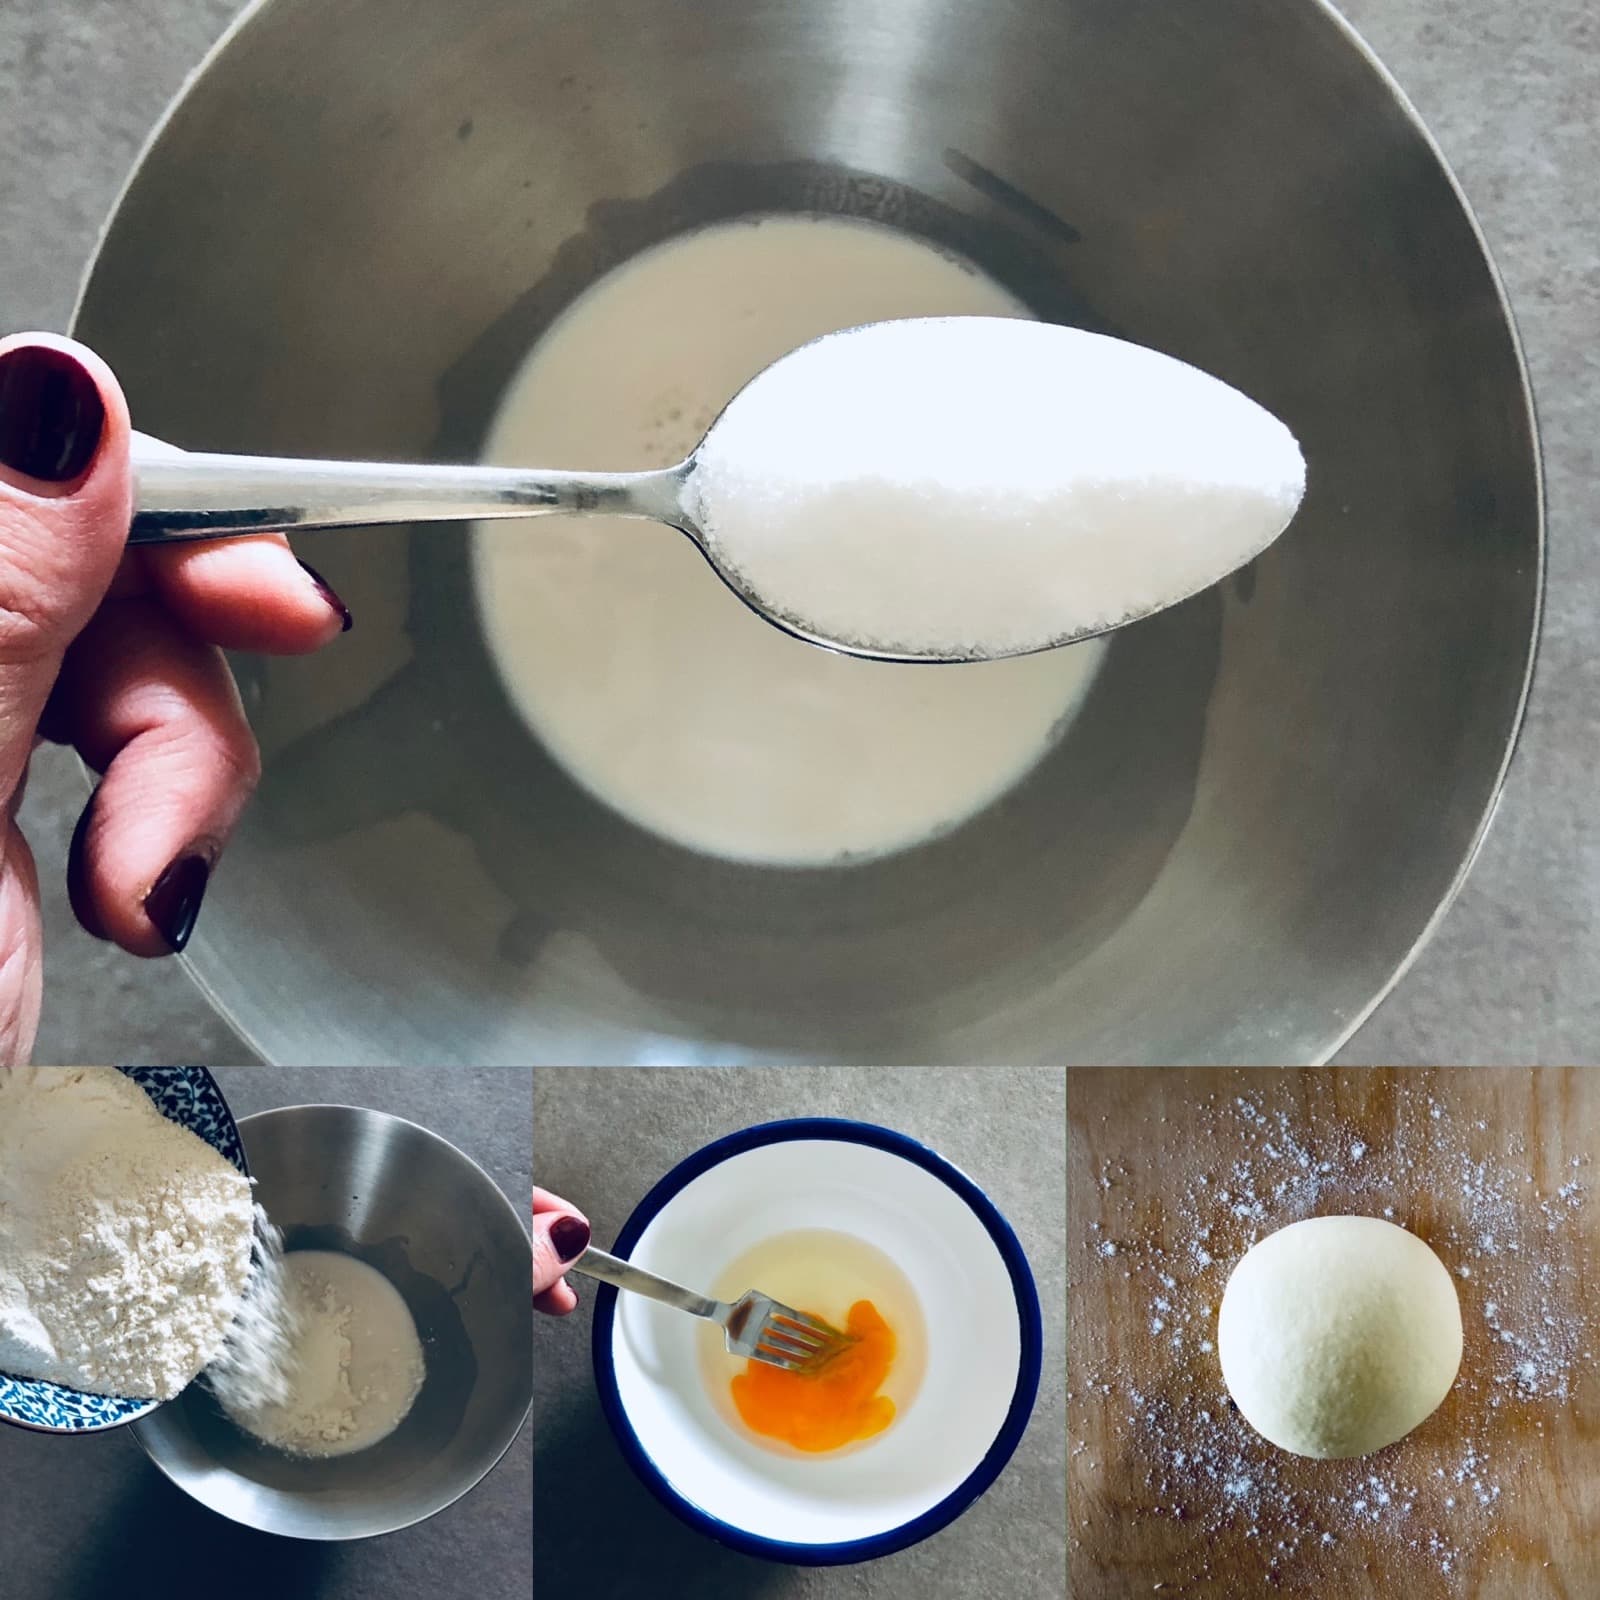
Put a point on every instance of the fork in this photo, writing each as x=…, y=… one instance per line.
x=754, y=1325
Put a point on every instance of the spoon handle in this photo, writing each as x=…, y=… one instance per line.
x=184, y=495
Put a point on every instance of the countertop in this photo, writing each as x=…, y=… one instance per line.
x=81, y=1518
x=603, y=1137
x=1513, y=96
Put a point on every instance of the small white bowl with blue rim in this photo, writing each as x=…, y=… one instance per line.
x=979, y=1307
x=190, y=1097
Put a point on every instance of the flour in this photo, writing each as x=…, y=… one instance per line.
x=256, y=1365
x=125, y=1240
x=352, y=1368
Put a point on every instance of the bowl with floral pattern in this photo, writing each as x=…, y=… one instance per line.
x=190, y=1097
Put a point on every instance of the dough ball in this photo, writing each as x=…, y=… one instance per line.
x=1339, y=1335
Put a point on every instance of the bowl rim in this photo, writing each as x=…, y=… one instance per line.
x=1029, y=1365
x=145, y=1408
x=322, y=1537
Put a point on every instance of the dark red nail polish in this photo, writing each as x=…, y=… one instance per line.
x=78, y=895
x=326, y=590
x=173, y=903
x=570, y=1236
x=51, y=413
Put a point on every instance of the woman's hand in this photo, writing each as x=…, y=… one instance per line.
x=560, y=1236
x=116, y=653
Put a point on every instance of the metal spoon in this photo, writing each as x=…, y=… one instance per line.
x=185, y=495
x=182, y=496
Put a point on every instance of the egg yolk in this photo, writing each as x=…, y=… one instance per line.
x=832, y=1406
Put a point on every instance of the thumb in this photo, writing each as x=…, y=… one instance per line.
x=66, y=498
x=559, y=1238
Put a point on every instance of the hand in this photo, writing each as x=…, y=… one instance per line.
x=116, y=653
x=560, y=1236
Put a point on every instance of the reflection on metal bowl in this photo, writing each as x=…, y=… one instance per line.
x=357, y=220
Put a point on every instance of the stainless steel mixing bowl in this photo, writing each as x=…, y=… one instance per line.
x=358, y=218
x=411, y=1205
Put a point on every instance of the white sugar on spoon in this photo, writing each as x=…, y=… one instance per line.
x=938, y=489
x=976, y=486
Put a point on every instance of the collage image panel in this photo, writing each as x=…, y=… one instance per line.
x=697, y=1432
x=1057, y=581
x=904, y=696
x=266, y=1330
x=1334, y=1333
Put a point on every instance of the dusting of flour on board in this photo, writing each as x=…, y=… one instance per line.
x=1513, y=1242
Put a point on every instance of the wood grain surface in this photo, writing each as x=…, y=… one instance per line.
x=1173, y=1173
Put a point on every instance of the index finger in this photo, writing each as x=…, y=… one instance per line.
x=243, y=593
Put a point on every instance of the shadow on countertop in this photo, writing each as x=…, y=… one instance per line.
x=152, y=1539
x=595, y=1523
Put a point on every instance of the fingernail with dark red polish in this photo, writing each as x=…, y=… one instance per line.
x=78, y=895
x=570, y=1236
x=173, y=903
x=325, y=589
x=51, y=413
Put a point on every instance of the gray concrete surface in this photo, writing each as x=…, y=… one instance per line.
x=602, y=1138
x=85, y=1518
x=1513, y=95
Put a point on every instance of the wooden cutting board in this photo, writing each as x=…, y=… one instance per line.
x=1173, y=1172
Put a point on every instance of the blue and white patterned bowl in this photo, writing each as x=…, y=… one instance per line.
x=190, y=1097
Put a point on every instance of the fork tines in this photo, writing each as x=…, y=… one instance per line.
x=798, y=1339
